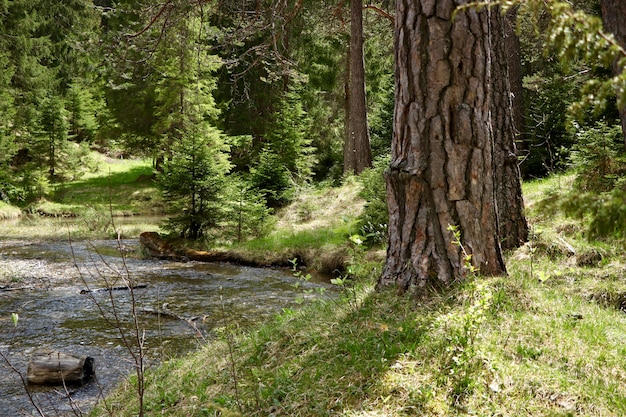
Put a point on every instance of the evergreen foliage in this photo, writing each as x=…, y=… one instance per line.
x=600, y=187
x=598, y=157
x=375, y=217
x=193, y=181
x=286, y=137
x=271, y=178
x=135, y=78
x=246, y=214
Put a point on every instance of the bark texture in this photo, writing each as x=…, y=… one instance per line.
x=512, y=225
x=614, y=19
x=357, y=153
x=441, y=172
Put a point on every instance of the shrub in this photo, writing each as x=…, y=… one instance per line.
x=598, y=157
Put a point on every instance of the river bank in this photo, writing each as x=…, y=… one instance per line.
x=548, y=339
x=54, y=287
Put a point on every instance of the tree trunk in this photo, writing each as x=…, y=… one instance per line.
x=441, y=171
x=357, y=153
x=514, y=60
x=614, y=18
x=512, y=226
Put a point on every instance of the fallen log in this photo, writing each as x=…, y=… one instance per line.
x=153, y=245
x=55, y=368
x=120, y=288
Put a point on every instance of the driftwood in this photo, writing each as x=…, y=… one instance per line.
x=164, y=311
x=120, y=288
x=55, y=368
x=7, y=289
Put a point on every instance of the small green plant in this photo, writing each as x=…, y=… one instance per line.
x=462, y=327
x=462, y=355
x=355, y=269
x=227, y=333
x=467, y=257
x=302, y=279
x=245, y=211
x=375, y=216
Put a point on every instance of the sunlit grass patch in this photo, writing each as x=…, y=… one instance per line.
x=9, y=212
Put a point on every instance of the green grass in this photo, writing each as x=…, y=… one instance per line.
x=548, y=339
x=117, y=188
x=8, y=212
x=122, y=187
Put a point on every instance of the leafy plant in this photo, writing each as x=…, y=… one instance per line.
x=461, y=329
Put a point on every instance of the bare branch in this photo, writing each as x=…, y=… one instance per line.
x=381, y=12
x=166, y=6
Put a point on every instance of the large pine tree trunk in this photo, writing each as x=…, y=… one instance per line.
x=441, y=172
x=512, y=226
x=614, y=18
x=357, y=153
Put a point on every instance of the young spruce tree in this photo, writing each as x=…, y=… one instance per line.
x=193, y=181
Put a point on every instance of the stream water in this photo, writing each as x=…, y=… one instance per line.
x=45, y=291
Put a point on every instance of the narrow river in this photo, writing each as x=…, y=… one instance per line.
x=44, y=289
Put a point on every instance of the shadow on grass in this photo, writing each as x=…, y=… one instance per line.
x=327, y=364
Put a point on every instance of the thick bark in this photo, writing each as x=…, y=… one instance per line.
x=357, y=153
x=512, y=225
x=441, y=172
x=614, y=18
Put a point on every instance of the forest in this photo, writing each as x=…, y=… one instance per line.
x=488, y=144
x=239, y=99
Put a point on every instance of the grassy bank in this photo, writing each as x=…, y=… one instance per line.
x=549, y=340
x=91, y=204
x=9, y=212
x=121, y=187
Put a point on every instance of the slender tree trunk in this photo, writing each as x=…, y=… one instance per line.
x=614, y=18
x=514, y=61
x=441, y=171
x=512, y=225
x=357, y=150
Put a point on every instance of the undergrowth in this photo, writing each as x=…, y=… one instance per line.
x=546, y=340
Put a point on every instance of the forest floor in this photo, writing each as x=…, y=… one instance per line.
x=549, y=339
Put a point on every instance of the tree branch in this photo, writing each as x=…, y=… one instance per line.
x=381, y=12
x=164, y=7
